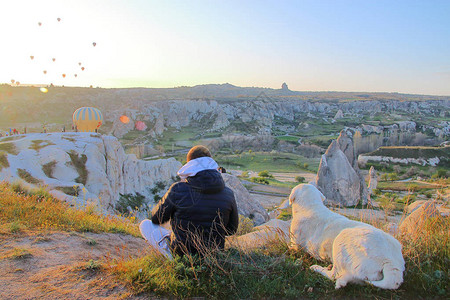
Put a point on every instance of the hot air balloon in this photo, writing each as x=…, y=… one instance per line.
x=79, y=64
x=82, y=68
x=32, y=57
x=39, y=23
x=139, y=125
x=87, y=119
x=17, y=82
x=64, y=75
x=12, y=81
x=53, y=59
x=75, y=75
x=124, y=119
x=45, y=71
x=59, y=19
x=94, y=44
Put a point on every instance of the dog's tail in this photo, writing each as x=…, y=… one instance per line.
x=392, y=277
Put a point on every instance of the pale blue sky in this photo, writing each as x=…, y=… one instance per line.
x=392, y=46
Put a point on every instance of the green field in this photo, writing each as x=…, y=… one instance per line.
x=411, y=152
x=272, y=162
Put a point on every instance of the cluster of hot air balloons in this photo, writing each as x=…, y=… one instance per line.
x=45, y=71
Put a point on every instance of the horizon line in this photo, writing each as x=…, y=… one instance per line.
x=209, y=84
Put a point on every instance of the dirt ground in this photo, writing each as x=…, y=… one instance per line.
x=267, y=201
x=290, y=177
x=64, y=265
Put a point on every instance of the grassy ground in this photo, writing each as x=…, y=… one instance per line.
x=272, y=272
x=272, y=162
x=281, y=273
x=405, y=186
x=37, y=210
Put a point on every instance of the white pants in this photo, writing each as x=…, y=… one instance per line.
x=157, y=236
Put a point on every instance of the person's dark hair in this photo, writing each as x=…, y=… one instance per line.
x=197, y=152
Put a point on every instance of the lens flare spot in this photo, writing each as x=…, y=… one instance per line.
x=43, y=90
x=124, y=119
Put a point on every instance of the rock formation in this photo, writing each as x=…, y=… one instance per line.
x=84, y=168
x=264, y=235
x=373, y=180
x=416, y=219
x=159, y=125
x=336, y=178
x=345, y=142
x=339, y=115
x=245, y=203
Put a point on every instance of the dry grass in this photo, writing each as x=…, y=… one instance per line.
x=48, y=168
x=40, y=211
x=68, y=190
x=79, y=162
x=25, y=175
x=4, y=163
x=9, y=148
x=39, y=144
x=17, y=253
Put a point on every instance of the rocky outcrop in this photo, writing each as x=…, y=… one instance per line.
x=373, y=180
x=247, y=206
x=339, y=115
x=267, y=234
x=417, y=218
x=84, y=168
x=337, y=179
x=159, y=125
x=345, y=142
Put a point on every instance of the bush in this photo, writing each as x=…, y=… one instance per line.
x=393, y=176
x=305, y=166
x=259, y=180
x=129, y=200
x=265, y=173
x=300, y=179
x=441, y=173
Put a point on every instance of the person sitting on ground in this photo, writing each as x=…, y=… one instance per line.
x=201, y=209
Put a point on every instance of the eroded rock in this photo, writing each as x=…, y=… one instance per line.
x=247, y=206
x=336, y=178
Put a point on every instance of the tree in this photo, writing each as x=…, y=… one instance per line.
x=300, y=179
x=265, y=173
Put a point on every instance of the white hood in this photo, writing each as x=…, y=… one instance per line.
x=197, y=165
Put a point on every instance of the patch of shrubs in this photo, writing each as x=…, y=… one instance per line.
x=261, y=180
x=132, y=201
x=265, y=174
x=300, y=179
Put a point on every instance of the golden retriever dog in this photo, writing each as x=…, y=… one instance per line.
x=359, y=252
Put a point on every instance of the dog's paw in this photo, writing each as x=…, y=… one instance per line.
x=316, y=268
x=340, y=284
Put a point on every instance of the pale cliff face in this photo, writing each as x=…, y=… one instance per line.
x=84, y=167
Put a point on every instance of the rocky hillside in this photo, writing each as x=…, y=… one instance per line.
x=81, y=167
x=211, y=107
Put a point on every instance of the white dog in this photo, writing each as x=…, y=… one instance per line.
x=359, y=252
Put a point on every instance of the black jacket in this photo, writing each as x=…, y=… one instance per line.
x=202, y=211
